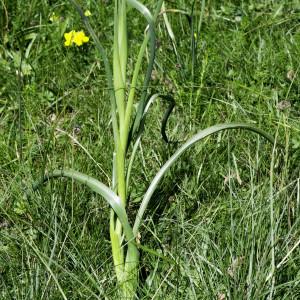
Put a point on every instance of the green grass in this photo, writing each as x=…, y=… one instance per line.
x=217, y=214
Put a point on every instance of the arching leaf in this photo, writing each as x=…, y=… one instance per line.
x=98, y=187
x=196, y=138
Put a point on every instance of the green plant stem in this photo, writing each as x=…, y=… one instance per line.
x=115, y=238
x=116, y=247
x=119, y=73
x=126, y=271
x=121, y=181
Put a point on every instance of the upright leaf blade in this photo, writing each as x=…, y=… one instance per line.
x=146, y=13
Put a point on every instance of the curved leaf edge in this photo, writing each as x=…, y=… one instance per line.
x=196, y=138
x=95, y=185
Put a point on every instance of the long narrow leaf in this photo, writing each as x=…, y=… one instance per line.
x=166, y=116
x=169, y=29
x=144, y=11
x=198, y=137
x=98, y=187
x=137, y=121
x=119, y=83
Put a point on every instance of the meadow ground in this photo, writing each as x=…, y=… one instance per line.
x=228, y=213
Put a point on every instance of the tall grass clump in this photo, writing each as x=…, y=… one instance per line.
x=128, y=121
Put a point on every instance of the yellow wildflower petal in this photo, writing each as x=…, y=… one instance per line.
x=69, y=37
x=80, y=38
x=78, y=42
x=85, y=39
x=87, y=13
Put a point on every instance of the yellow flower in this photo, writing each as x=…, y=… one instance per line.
x=69, y=38
x=76, y=37
x=87, y=13
x=80, y=38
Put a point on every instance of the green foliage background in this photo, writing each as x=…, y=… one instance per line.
x=212, y=212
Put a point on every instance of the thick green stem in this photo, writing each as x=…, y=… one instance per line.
x=120, y=170
x=121, y=181
x=116, y=247
x=126, y=268
x=115, y=238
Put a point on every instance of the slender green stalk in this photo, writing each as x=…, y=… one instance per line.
x=129, y=268
x=132, y=90
x=119, y=73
